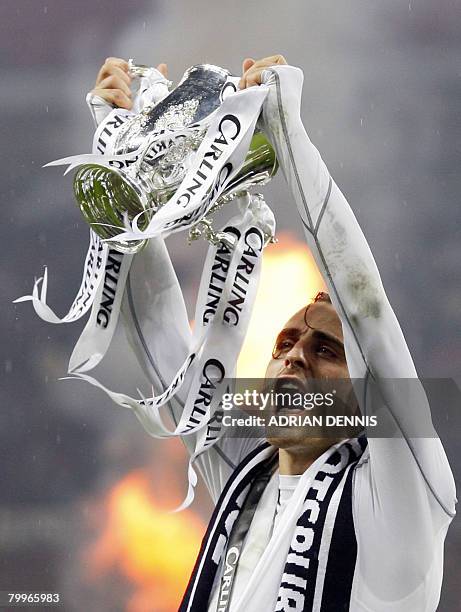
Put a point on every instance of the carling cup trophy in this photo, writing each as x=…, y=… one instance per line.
x=109, y=197
x=164, y=169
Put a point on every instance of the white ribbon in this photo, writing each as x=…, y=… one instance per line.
x=95, y=339
x=153, y=148
x=93, y=270
x=222, y=316
x=219, y=330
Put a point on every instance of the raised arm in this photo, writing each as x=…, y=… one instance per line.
x=375, y=346
x=153, y=309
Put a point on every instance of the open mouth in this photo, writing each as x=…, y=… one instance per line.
x=288, y=394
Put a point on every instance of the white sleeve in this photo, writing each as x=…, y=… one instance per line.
x=375, y=346
x=157, y=326
x=153, y=309
x=98, y=107
x=155, y=316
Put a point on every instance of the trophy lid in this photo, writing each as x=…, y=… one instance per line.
x=207, y=69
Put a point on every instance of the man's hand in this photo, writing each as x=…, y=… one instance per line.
x=252, y=70
x=114, y=80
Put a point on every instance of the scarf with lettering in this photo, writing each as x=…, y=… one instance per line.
x=320, y=564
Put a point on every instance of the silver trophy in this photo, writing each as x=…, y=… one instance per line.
x=107, y=197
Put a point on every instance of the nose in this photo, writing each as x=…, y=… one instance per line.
x=296, y=358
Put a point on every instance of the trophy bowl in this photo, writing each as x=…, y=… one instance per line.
x=108, y=197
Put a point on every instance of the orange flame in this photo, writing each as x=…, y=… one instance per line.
x=154, y=549
x=289, y=280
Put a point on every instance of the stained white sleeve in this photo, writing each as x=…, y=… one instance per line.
x=402, y=468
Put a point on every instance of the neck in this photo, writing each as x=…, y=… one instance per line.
x=296, y=459
x=292, y=463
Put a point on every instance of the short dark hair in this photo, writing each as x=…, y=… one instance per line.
x=321, y=296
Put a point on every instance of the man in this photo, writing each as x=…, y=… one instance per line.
x=356, y=525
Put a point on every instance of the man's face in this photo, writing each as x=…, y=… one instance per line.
x=310, y=346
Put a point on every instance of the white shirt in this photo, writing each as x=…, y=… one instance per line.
x=270, y=508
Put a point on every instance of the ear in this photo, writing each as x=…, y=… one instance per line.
x=247, y=64
x=163, y=68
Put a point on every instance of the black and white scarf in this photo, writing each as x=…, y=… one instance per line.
x=312, y=570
